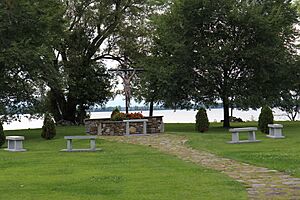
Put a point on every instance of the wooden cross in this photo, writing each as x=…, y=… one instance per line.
x=126, y=75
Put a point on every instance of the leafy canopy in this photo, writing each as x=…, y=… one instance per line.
x=228, y=50
x=28, y=29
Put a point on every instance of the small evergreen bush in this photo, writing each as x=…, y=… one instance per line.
x=265, y=118
x=114, y=112
x=202, y=123
x=48, y=129
x=2, y=136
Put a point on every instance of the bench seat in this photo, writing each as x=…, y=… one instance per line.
x=275, y=131
x=70, y=147
x=235, y=135
x=15, y=143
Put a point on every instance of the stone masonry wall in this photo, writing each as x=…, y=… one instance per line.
x=116, y=128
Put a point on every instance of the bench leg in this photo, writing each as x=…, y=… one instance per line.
x=277, y=132
x=93, y=144
x=271, y=131
x=251, y=136
x=19, y=145
x=127, y=128
x=10, y=144
x=235, y=137
x=99, y=129
x=145, y=127
x=69, y=145
x=15, y=144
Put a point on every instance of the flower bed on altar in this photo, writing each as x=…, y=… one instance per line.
x=122, y=116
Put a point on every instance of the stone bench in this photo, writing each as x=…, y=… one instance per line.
x=144, y=121
x=275, y=131
x=235, y=135
x=15, y=143
x=70, y=147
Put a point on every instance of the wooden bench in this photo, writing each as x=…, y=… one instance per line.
x=15, y=143
x=144, y=121
x=275, y=131
x=70, y=147
x=235, y=135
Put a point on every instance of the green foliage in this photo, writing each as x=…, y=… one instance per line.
x=289, y=103
x=27, y=29
x=265, y=118
x=202, y=123
x=297, y=5
x=97, y=31
x=226, y=50
x=51, y=102
x=48, y=129
x=148, y=87
x=114, y=112
x=2, y=136
x=119, y=116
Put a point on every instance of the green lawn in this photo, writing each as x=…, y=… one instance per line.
x=120, y=171
x=280, y=154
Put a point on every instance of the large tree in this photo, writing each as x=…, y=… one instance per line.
x=27, y=29
x=148, y=85
x=289, y=100
x=98, y=31
x=228, y=50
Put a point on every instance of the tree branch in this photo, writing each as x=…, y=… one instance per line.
x=110, y=57
x=101, y=37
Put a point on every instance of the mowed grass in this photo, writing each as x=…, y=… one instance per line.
x=280, y=154
x=119, y=171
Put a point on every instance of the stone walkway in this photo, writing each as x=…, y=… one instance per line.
x=261, y=183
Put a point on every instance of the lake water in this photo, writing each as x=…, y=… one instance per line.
x=169, y=116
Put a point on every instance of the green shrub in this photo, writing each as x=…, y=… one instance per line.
x=48, y=129
x=114, y=112
x=202, y=123
x=265, y=118
x=119, y=117
x=2, y=136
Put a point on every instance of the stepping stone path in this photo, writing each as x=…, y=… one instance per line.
x=261, y=183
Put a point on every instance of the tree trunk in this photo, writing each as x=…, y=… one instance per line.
x=70, y=112
x=294, y=115
x=62, y=109
x=226, y=123
x=56, y=104
x=296, y=111
x=151, y=109
x=81, y=114
x=126, y=104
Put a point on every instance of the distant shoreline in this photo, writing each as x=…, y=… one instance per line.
x=139, y=108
